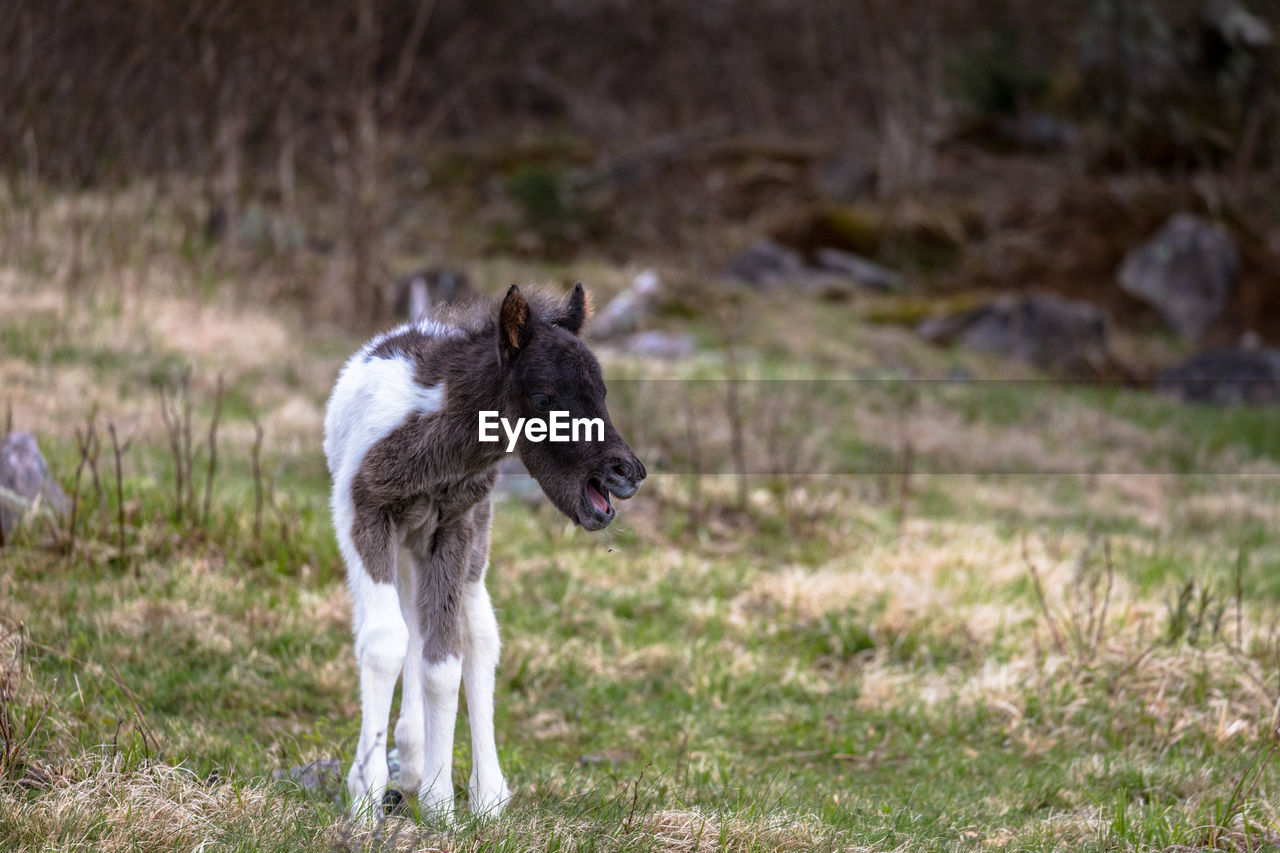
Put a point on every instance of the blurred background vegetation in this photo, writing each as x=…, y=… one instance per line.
x=995, y=145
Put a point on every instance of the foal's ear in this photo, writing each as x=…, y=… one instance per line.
x=514, y=328
x=577, y=310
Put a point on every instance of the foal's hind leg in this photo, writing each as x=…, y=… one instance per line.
x=381, y=637
x=440, y=563
x=411, y=730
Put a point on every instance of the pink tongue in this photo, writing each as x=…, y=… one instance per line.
x=600, y=501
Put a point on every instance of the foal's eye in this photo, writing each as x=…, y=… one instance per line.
x=542, y=402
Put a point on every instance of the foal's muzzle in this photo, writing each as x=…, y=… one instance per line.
x=624, y=477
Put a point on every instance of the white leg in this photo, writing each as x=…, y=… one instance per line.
x=440, y=683
x=489, y=793
x=381, y=637
x=411, y=729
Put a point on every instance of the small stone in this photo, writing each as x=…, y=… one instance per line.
x=26, y=482
x=864, y=273
x=766, y=263
x=659, y=344
x=515, y=482
x=1225, y=377
x=608, y=758
x=1187, y=272
x=413, y=295
x=628, y=311
x=1047, y=330
x=322, y=777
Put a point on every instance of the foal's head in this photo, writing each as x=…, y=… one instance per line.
x=547, y=368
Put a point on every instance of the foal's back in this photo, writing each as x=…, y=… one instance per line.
x=380, y=386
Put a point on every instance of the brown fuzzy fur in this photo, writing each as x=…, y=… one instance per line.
x=427, y=484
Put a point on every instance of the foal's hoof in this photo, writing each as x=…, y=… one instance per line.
x=489, y=803
x=394, y=803
x=364, y=811
x=436, y=808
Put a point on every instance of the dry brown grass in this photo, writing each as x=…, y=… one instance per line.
x=694, y=831
x=100, y=804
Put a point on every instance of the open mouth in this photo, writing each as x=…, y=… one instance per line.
x=598, y=499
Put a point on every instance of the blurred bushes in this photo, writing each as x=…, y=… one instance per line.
x=98, y=92
x=325, y=125
x=992, y=79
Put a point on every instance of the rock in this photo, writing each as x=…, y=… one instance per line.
x=767, y=264
x=414, y=294
x=1187, y=272
x=628, y=311
x=515, y=482
x=323, y=777
x=608, y=758
x=1044, y=329
x=25, y=482
x=658, y=344
x=863, y=272
x=1225, y=377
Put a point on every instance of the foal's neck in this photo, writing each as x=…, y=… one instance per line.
x=474, y=381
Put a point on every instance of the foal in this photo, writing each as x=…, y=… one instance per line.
x=412, y=498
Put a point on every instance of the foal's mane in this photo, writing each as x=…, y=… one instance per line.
x=480, y=315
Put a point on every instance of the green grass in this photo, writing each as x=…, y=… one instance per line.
x=849, y=662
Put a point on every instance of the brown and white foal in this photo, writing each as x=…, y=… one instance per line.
x=412, y=496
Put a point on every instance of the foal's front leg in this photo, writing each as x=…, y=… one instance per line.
x=489, y=792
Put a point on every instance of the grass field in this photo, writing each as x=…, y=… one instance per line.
x=1024, y=616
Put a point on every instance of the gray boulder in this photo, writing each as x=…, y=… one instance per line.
x=1187, y=271
x=1043, y=329
x=1225, y=377
x=833, y=273
x=866, y=274
x=658, y=344
x=629, y=310
x=766, y=263
x=25, y=482
x=412, y=296
x=324, y=780
x=323, y=777
x=515, y=482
